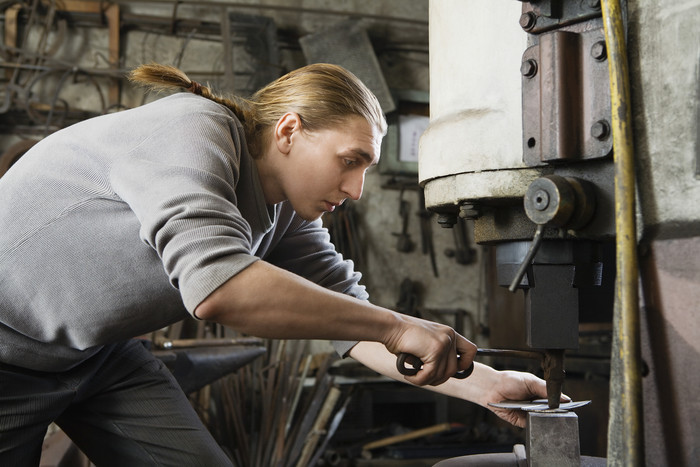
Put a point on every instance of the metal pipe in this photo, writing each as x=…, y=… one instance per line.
x=187, y=343
x=279, y=8
x=625, y=430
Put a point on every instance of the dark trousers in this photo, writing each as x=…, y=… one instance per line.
x=121, y=407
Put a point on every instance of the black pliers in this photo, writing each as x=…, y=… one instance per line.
x=416, y=365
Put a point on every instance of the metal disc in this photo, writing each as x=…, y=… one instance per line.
x=538, y=405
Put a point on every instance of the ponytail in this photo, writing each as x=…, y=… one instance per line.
x=157, y=77
x=323, y=95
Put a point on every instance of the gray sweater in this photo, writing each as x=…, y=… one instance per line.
x=122, y=224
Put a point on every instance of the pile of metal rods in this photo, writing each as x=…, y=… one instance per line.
x=276, y=411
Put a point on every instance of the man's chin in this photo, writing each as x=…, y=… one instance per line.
x=311, y=217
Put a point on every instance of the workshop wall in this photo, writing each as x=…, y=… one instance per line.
x=65, y=61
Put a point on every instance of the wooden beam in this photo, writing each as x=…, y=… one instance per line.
x=112, y=13
x=80, y=6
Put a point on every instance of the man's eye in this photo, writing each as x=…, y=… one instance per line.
x=349, y=162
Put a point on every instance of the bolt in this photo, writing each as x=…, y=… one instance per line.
x=541, y=200
x=599, y=51
x=447, y=221
x=528, y=20
x=600, y=130
x=528, y=68
x=469, y=211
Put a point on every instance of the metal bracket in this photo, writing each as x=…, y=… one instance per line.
x=566, y=98
x=544, y=15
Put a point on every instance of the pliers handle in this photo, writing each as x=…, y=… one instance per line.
x=416, y=365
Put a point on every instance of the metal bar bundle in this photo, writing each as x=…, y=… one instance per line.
x=268, y=413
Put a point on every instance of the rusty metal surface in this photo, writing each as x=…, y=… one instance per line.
x=566, y=98
x=544, y=15
x=506, y=220
x=552, y=439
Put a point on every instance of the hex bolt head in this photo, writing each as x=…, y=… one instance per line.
x=599, y=51
x=447, y=221
x=528, y=68
x=528, y=20
x=600, y=130
x=593, y=4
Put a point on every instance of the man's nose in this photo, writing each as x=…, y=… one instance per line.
x=353, y=184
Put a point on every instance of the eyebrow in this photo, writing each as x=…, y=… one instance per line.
x=363, y=155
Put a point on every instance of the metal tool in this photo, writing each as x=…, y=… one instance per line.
x=426, y=233
x=404, y=244
x=538, y=405
x=416, y=365
x=187, y=343
x=552, y=362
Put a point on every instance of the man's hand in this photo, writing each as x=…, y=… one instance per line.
x=437, y=346
x=517, y=386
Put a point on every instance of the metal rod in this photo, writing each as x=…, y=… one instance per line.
x=625, y=430
x=511, y=353
x=534, y=246
x=281, y=8
x=185, y=343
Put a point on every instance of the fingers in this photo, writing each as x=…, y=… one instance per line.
x=422, y=374
x=441, y=350
x=452, y=365
x=466, y=351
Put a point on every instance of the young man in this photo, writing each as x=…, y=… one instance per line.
x=125, y=223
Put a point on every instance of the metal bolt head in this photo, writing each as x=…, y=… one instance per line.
x=469, y=211
x=599, y=51
x=447, y=221
x=528, y=20
x=600, y=130
x=528, y=68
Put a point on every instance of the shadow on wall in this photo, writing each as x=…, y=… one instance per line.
x=671, y=349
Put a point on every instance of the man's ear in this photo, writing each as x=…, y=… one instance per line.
x=285, y=128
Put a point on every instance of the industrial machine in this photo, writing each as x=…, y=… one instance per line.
x=530, y=137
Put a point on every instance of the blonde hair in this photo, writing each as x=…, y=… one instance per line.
x=323, y=95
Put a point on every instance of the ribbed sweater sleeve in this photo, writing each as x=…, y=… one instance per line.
x=182, y=189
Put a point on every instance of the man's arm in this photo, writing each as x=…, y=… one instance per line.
x=266, y=301
x=483, y=386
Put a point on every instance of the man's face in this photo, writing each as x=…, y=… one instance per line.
x=328, y=166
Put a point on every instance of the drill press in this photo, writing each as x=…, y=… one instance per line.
x=522, y=147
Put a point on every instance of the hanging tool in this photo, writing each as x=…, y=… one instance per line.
x=404, y=244
x=426, y=233
x=408, y=298
x=462, y=253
